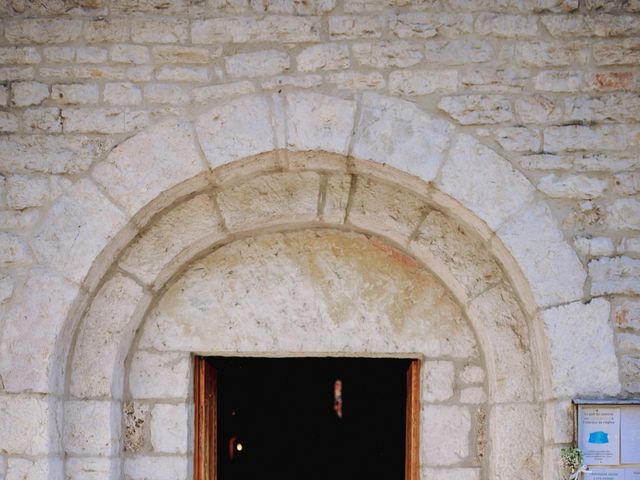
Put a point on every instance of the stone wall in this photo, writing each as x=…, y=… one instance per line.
x=526, y=112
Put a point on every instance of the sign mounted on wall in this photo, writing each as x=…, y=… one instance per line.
x=608, y=433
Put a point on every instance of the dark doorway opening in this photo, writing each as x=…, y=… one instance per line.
x=310, y=418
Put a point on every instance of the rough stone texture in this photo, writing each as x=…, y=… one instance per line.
x=69, y=246
x=477, y=109
x=24, y=422
x=520, y=449
x=450, y=424
x=422, y=82
x=174, y=232
x=318, y=122
x=38, y=469
x=534, y=231
x=257, y=64
x=269, y=198
x=99, y=350
x=624, y=213
x=574, y=186
x=590, y=367
x=91, y=427
x=383, y=208
x=169, y=428
x=311, y=319
x=235, y=130
x=158, y=468
x=615, y=275
x=40, y=313
x=136, y=420
x=152, y=162
x=86, y=468
x=397, y=133
x=493, y=205
x=323, y=57
x=438, y=378
x=146, y=366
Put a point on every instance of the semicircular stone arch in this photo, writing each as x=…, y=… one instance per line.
x=378, y=166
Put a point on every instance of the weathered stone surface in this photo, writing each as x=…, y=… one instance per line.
x=235, y=130
x=342, y=27
x=180, y=54
x=385, y=209
x=272, y=28
x=49, y=154
x=630, y=246
x=624, y=213
x=601, y=25
x=319, y=122
x=468, y=160
x=451, y=426
x=135, y=54
x=179, y=73
x=589, y=365
x=103, y=339
x=136, y=171
x=493, y=79
x=627, y=183
x=25, y=191
x=461, y=254
x=630, y=372
x=624, y=52
x=452, y=473
x=215, y=92
x=627, y=314
x=158, y=468
x=336, y=197
x=472, y=374
x=43, y=30
x=457, y=52
x=29, y=93
x=611, y=275
x=87, y=468
x=473, y=395
x=573, y=186
x=147, y=367
x=257, y=64
x=386, y=54
x=579, y=137
x=427, y=25
x=277, y=197
x=166, y=93
x=324, y=57
x=422, y=82
x=503, y=329
x=122, y=94
x=33, y=469
x=558, y=81
x=438, y=378
x=608, y=81
x=75, y=94
x=545, y=54
x=520, y=449
x=174, y=30
x=519, y=139
x=552, y=267
x=24, y=423
x=537, y=109
x=477, y=109
x=170, y=235
x=508, y=26
x=77, y=228
x=614, y=107
x=14, y=251
x=6, y=288
x=295, y=315
x=91, y=427
x=397, y=133
x=19, y=55
x=357, y=80
x=303, y=81
x=169, y=428
x=136, y=426
x=594, y=247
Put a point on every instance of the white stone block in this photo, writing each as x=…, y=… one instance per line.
x=14, y=251
x=171, y=234
x=42, y=308
x=92, y=427
x=516, y=436
x=236, y=130
x=160, y=375
x=138, y=170
x=170, y=428
x=552, y=267
x=88, y=468
x=257, y=64
x=437, y=381
x=611, y=275
x=397, y=133
x=452, y=473
x=34, y=469
x=319, y=122
x=624, y=213
x=472, y=374
x=445, y=434
x=580, y=187
x=29, y=93
x=472, y=172
x=105, y=338
x=583, y=356
x=156, y=468
x=329, y=56
x=24, y=425
x=77, y=227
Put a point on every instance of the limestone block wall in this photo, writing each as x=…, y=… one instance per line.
x=526, y=112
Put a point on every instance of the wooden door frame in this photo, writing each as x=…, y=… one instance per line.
x=205, y=412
